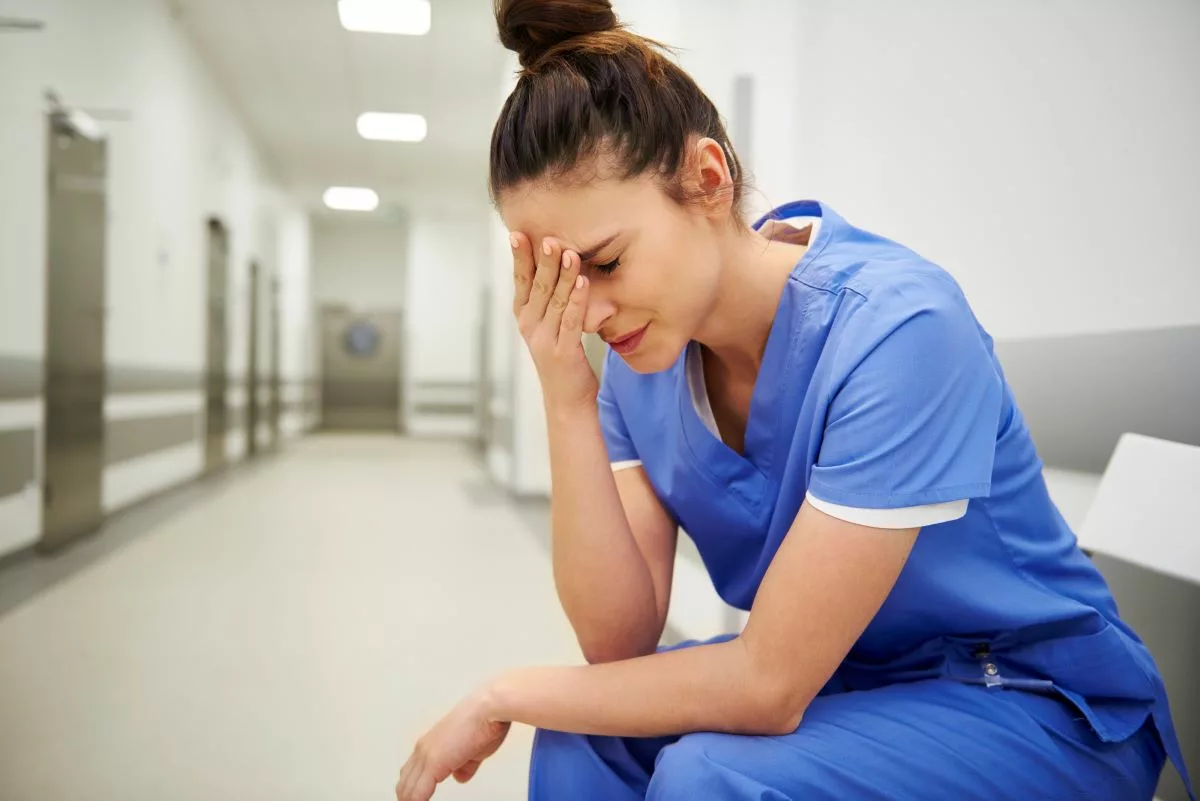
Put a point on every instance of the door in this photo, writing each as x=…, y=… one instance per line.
x=75, y=380
x=217, y=348
x=275, y=407
x=252, y=394
x=360, y=370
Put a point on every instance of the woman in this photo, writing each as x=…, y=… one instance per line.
x=819, y=409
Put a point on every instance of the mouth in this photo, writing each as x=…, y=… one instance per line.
x=628, y=343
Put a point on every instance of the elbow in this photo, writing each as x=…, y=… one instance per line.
x=777, y=709
x=779, y=718
x=784, y=720
x=617, y=648
x=600, y=653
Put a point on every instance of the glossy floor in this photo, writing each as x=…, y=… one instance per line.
x=283, y=633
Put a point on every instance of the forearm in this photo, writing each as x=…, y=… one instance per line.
x=603, y=581
x=704, y=688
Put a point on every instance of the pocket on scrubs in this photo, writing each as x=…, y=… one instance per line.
x=1098, y=674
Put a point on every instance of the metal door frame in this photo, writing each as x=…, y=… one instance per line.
x=275, y=409
x=252, y=410
x=217, y=366
x=73, y=402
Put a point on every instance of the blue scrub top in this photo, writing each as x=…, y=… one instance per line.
x=880, y=390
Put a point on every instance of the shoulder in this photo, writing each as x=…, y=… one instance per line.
x=885, y=289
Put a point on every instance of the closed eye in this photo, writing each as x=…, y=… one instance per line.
x=608, y=267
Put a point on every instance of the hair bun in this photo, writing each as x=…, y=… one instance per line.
x=532, y=27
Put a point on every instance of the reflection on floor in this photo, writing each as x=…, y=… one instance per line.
x=285, y=633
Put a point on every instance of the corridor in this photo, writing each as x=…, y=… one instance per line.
x=283, y=635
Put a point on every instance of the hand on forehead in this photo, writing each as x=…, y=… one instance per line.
x=580, y=216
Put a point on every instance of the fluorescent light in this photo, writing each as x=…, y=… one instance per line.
x=351, y=198
x=409, y=17
x=391, y=127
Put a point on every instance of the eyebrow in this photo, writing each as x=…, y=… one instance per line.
x=592, y=252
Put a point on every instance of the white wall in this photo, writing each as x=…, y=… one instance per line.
x=298, y=354
x=1044, y=153
x=177, y=154
x=447, y=259
x=359, y=261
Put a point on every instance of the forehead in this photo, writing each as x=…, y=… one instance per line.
x=577, y=212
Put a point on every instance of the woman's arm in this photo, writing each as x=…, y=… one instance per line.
x=823, y=587
x=613, y=544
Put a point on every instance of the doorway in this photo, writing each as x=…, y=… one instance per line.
x=252, y=408
x=217, y=348
x=275, y=407
x=75, y=307
x=360, y=370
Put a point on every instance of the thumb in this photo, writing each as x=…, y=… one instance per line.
x=467, y=772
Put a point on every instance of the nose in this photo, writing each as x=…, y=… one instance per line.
x=599, y=309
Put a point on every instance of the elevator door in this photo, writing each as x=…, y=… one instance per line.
x=360, y=370
x=216, y=377
x=252, y=410
x=74, y=377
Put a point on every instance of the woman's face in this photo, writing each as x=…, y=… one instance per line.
x=652, y=263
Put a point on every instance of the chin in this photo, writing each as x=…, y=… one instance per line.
x=652, y=357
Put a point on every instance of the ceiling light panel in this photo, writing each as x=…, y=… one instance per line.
x=392, y=127
x=405, y=17
x=351, y=198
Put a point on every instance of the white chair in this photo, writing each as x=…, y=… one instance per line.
x=1143, y=531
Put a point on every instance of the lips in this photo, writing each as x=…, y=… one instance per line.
x=627, y=343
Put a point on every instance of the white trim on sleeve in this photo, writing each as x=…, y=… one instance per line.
x=907, y=517
x=625, y=465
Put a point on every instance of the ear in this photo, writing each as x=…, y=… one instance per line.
x=711, y=176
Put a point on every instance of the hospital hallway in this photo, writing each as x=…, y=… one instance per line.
x=275, y=468
x=284, y=630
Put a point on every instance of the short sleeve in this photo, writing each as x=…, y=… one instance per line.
x=915, y=419
x=621, y=451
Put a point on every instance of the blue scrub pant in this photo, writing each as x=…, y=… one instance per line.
x=921, y=741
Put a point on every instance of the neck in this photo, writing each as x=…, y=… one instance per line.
x=754, y=273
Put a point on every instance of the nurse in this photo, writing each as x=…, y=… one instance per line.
x=818, y=408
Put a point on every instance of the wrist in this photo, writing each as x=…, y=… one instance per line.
x=571, y=411
x=495, y=699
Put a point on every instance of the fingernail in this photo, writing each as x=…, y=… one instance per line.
x=546, y=248
x=512, y=240
x=566, y=261
x=579, y=282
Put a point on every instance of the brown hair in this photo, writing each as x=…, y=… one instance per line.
x=589, y=87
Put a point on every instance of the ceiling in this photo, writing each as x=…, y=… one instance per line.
x=299, y=81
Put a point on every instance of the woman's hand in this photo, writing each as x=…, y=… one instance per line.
x=454, y=747
x=549, y=302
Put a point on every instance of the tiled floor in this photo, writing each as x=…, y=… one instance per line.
x=284, y=633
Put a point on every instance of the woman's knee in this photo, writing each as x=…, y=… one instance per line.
x=578, y=767
x=709, y=765
x=682, y=771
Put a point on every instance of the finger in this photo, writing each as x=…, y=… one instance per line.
x=562, y=290
x=522, y=252
x=571, y=330
x=402, y=784
x=407, y=778
x=545, y=277
x=423, y=787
